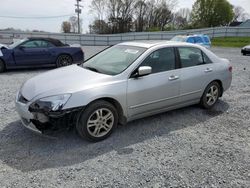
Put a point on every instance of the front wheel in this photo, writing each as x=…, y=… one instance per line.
x=97, y=121
x=64, y=60
x=210, y=95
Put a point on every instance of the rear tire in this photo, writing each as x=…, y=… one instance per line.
x=2, y=66
x=97, y=121
x=211, y=95
x=64, y=60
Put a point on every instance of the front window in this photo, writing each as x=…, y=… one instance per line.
x=37, y=44
x=161, y=60
x=114, y=60
x=12, y=46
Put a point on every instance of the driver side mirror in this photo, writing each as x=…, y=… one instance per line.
x=143, y=71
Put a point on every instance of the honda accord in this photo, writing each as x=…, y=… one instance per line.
x=122, y=83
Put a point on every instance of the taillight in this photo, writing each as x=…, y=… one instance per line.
x=230, y=69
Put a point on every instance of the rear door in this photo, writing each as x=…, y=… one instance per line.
x=196, y=73
x=157, y=90
x=34, y=52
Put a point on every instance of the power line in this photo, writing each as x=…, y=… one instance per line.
x=36, y=17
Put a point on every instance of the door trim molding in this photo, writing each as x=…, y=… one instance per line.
x=161, y=100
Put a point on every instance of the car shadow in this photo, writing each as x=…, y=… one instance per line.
x=26, y=151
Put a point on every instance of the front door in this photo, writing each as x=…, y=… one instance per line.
x=35, y=52
x=157, y=90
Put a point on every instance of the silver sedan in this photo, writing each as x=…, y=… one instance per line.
x=125, y=82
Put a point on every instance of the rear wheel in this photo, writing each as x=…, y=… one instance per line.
x=97, y=121
x=2, y=66
x=211, y=95
x=64, y=60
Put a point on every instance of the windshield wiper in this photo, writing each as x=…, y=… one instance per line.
x=92, y=69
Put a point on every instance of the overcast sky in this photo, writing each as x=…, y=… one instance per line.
x=42, y=8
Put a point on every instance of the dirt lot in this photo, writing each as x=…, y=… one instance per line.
x=189, y=147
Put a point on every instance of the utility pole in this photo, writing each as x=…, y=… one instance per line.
x=78, y=10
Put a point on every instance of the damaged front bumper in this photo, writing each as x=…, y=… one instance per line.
x=43, y=122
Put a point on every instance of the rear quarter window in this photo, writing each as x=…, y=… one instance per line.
x=190, y=56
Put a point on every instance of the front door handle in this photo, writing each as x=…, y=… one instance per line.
x=208, y=70
x=171, y=78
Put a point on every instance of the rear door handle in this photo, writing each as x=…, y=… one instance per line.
x=171, y=78
x=208, y=70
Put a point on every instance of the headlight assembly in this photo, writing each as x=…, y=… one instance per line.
x=52, y=103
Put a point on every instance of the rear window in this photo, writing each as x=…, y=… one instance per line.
x=179, y=39
x=206, y=39
x=198, y=40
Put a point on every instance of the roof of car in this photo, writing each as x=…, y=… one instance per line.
x=56, y=42
x=193, y=35
x=152, y=43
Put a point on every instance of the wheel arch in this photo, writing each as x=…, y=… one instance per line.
x=121, y=117
x=64, y=53
x=221, y=86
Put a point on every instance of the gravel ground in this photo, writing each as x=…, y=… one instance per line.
x=189, y=147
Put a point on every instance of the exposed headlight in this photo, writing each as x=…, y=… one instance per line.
x=52, y=103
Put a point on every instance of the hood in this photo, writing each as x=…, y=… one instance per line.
x=61, y=81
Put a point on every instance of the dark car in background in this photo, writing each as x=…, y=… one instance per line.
x=38, y=52
x=245, y=50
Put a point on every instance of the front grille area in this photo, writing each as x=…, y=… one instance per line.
x=22, y=100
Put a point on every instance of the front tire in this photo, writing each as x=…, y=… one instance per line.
x=210, y=95
x=2, y=66
x=97, y=121
x=64, y=60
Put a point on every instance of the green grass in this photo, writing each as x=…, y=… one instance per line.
x=238, y=42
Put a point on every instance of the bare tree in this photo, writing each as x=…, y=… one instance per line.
x=240, y=14
x=185, y=13
x=120, y=14
x=98, y=6
x=140, y=14
x=74, y=24
x=181, y=18
x=66, y=27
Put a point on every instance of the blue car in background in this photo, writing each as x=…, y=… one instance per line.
x=203, y=40
x=38, y=52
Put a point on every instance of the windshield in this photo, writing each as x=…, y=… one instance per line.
x=114, y=60
x=15, y=44
x=179, y=39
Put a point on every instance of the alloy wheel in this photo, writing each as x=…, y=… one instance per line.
x=100, y=122
x=212, y=95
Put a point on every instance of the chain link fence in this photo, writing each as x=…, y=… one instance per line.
x=112, y=39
